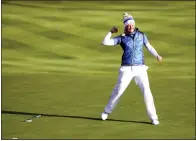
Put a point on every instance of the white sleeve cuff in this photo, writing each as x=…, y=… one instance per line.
x=107, y=40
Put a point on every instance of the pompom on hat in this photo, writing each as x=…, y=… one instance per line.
x=127, y=19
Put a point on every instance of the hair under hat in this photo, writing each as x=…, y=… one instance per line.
x=127, y=19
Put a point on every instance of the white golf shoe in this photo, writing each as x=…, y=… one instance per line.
x=155, y=122
x=104, y=116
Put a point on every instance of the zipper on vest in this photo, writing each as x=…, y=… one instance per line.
x=132, y=52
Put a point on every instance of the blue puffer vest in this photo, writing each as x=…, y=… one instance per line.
x=132, y=45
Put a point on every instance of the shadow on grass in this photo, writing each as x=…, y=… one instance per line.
x=64, y=116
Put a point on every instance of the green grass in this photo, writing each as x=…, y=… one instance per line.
x=53, y=65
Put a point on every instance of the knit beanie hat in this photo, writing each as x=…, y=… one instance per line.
x=127, y=19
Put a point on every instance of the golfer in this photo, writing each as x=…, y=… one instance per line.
x=132, y=66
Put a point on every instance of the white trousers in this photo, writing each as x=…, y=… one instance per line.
x=126, y=74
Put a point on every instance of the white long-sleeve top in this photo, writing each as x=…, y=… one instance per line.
x=112, y=41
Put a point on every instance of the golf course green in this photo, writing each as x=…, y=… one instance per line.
x=54, y=65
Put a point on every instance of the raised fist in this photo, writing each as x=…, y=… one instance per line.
x=114, y=30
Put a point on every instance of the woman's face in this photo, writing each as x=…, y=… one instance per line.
x=130, y=28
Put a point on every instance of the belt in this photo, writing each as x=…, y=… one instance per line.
x=132, y=65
